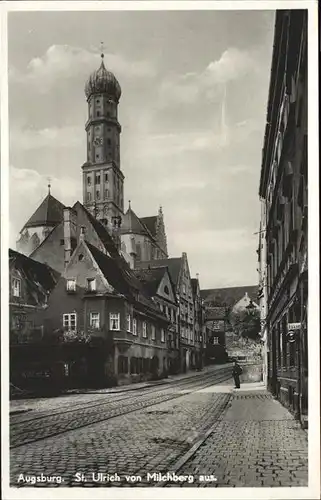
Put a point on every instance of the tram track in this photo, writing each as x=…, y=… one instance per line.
x=112, y=398
x=41, y=427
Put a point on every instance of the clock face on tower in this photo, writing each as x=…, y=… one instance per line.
x=98, y=141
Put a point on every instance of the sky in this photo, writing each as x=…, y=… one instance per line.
x=193, y=109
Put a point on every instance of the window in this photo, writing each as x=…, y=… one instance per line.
x=114, y=321
x=97, y=179
x=16, y=287
x=98, y=195
x=62, y=242
x=106, y=177
x=106, y=194
x=144, y=329
x=81, y=257
x=94, y=320
x=184, y=288
x=166, y=290
x=161, y=307
x=153, y=332
x=215, y=340
x=122, y=364
x=134, y=326
x=166, y=311
x=71, y=285
x=91, y=284
x=162, y=335
x=98, y=113
x=128, y=323
x=89, y=180
x=88, y=196
x=69, y=321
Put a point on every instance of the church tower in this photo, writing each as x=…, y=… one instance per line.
x=102, y=178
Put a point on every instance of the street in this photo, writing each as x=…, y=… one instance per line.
x=197, y=427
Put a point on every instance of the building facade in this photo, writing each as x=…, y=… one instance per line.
x=181, y=278
x=158, y=285
x=283, y=191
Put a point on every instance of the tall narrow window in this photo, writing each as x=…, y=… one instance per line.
x=128, y=323
x=94, y=320
x=114, y=321
x=134, y=326
x=153, y=332
x=162, y=335
x=16, y=287
x=106, y=177
x=89, y=180
x=98, y=195
x=97, y=179
x=144, y=329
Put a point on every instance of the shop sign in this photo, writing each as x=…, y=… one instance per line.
x=294, y=326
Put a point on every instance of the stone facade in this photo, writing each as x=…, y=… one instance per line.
x=283, y=189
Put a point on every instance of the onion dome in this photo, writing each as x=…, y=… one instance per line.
x=103, y=81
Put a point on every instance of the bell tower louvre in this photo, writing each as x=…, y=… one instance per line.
x=102, y=178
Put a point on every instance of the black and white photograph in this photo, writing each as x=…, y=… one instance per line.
x=159, y=325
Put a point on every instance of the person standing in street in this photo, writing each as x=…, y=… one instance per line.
x=237, y=370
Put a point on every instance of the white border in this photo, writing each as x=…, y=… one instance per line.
x=313, y=491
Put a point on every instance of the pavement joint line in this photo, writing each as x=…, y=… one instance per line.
x=189, y=453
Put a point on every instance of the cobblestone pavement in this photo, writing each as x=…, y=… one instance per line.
x=256, y=442
x=248, y=440
x=29, y=427
x=149, y=439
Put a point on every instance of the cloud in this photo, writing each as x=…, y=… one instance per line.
x=51, y=137
x=65, y=62
x=30, y=188
x=232, y=65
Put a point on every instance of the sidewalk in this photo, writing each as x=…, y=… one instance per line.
x=255, y=443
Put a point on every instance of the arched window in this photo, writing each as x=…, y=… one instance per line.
x=138, y=251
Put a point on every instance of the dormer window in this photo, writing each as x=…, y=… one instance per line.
x=166, y=290
x=91, y=284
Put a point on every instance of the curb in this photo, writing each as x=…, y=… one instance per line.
x=189, y=453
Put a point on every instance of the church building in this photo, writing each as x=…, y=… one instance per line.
x=139, y=239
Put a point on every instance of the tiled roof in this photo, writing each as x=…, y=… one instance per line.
x=133, y=224
x=103, y=234
x=150, y=223
x=122, y=278
x=173, y=264
x=49, y=213
x=150, y=278
x=40, y=278
x=228, y=296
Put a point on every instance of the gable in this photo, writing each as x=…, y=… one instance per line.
x=165, y=288
x=82, y=266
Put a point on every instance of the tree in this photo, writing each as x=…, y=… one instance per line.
x=246, y=323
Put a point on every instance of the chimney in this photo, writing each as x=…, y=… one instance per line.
x=69, y=232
